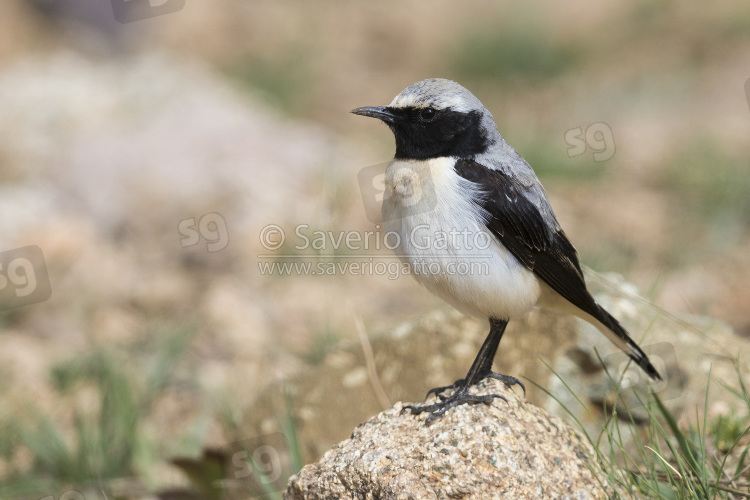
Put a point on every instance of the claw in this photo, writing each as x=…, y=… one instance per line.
x=460, y=396
x=437, y=390
x=508, y=380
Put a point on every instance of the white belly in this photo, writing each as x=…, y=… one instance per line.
x=446, y=244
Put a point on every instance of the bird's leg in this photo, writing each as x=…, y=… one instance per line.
x=482, y=365
x=438, y=391
x=481, y=368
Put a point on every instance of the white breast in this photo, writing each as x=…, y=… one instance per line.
x=442, y=236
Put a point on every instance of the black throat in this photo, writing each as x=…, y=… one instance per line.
x=449, y=133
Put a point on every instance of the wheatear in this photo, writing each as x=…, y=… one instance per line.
x=471, y=182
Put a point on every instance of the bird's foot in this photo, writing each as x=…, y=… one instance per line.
x=507, y=380
x=438, y=391
x=459, y=397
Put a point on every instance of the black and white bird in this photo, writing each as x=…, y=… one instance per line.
x=454, y=174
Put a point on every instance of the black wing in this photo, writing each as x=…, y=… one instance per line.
x=544, y=250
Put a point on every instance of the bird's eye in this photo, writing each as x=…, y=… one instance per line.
x=427, y=114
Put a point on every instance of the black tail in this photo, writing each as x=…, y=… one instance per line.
x=630, y=347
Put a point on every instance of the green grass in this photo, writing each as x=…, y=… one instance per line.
x=106, y=441
x=217, y=478
x=670, y=461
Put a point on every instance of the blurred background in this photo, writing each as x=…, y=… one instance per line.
x=145, y=159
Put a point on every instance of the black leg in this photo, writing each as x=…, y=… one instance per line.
x=481, y=368
x=482, y=365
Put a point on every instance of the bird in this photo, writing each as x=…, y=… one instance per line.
x=454, y=174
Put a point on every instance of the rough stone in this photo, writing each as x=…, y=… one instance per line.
x=511, y=450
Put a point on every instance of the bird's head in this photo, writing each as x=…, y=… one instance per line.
x=436, y=118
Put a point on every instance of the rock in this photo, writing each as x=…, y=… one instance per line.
x=505, y=450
